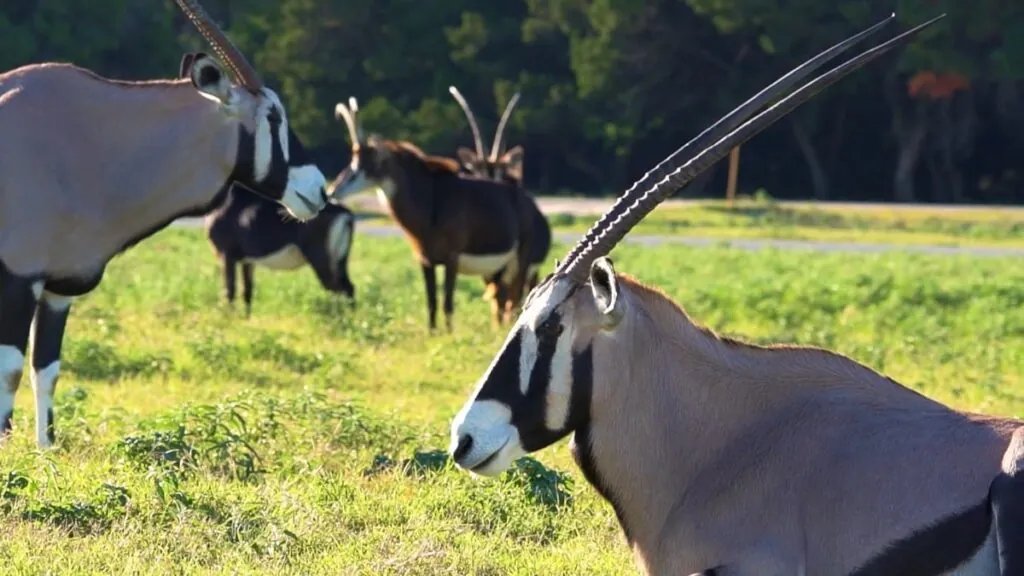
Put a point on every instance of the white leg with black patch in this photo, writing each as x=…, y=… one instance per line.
x=18, y=297
x=12, y=362
x=47, y=336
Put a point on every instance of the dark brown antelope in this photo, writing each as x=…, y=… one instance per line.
x=505, y=166
x=468, y=225
x=730, y=459
x=90, y=166
x=250, y=231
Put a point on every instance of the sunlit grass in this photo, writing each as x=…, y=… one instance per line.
x=987, y=227
x=306, y=438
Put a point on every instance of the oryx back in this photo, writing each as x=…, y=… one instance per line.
x=87, y=164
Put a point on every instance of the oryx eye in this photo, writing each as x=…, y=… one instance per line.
x=551, y=328
x=274, y=115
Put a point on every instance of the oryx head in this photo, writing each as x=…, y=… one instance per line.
x=271, y=159
x=500, y=164
x=541, y=385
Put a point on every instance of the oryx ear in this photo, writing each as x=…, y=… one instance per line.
x=185, y=68
x=513, y=163
x=467, y=158
x=605, y=288
x=208, y=77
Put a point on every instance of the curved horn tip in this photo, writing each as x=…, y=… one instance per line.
x=353, y=103
x=340, y=110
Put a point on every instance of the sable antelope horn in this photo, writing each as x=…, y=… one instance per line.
x=717, y=130
x=674, y=174
x=354, y=106
x=225, y=49
x=497, y=147
x=477, y=140
x=342, y=111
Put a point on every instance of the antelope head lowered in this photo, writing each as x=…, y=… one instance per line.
x=90, y=166
x=725, y=458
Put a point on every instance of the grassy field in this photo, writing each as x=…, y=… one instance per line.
x=764, y=219
x=306, y=438
x=751, y=219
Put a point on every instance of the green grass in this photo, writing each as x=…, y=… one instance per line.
x=989, y=227
x=993, y=227
x=305, y=439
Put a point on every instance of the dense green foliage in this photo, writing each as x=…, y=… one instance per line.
x=609, y=86
x=304, y=440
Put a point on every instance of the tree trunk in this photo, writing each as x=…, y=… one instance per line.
x=819, y=178
x=909, y=134
x=909, y=141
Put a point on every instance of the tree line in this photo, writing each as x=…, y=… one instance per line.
x=608, y=87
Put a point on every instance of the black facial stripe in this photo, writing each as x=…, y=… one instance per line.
x=583, y=386
x=277, y=176
x=529, y=416
x=582, y=389
x=503, y=381
x=272, y=187
x=245, y=159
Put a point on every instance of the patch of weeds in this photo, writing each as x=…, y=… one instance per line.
x=543, y=485
x=212, y=438
x=95, y=514
x=12, y=486
x=267, y=347
x=346, y=424
x=209, y=350
x=94, y=360
x=420, y=464
x=227, y=439
x=250, y=524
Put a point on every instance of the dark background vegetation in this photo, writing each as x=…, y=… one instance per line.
x=609, y=87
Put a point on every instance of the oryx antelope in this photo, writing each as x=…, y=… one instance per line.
x=505, y=166
x=468, y=225
x=89, y=166
x=250, y=231
x=726, y=458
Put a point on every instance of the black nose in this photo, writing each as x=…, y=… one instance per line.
x=465, y=443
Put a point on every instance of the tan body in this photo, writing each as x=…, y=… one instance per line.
x=722, y=458
x=114, y=192
x=90, y=166
x=749, y=457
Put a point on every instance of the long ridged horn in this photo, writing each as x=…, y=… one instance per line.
x=498, y=146
x=244, y=72
x=477, y=140
x=679, y=175
x=717, y=130
x=342, y=111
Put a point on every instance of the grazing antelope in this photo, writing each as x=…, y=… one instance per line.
x=90, y=166
x=250, y=230
x=505, y=166
x=729, y=459
x=468, y=225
